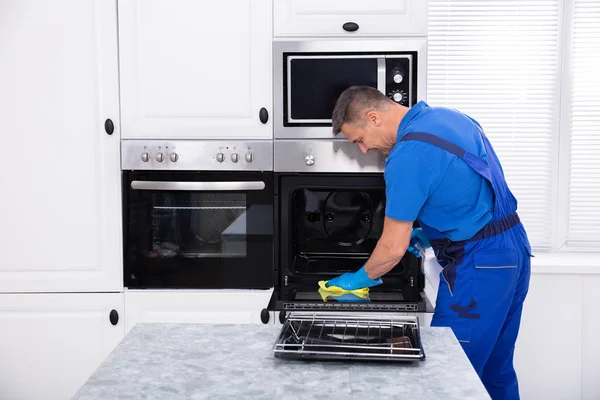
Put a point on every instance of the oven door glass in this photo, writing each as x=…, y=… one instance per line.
x=314, y=84
x=198, y=230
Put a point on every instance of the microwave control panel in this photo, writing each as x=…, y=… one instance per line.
x=398, y=79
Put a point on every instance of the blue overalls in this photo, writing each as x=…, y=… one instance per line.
x=485, y=279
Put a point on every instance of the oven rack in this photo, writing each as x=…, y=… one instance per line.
x=342, y=336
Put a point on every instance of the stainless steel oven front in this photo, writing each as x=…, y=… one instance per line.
x=198, y=214
x=309, y=76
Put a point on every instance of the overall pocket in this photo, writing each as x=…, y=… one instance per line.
x=494, y=281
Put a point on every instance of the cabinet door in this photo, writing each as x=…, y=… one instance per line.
x=548, y=352
x=201, y=306
x=195, y=69
x=50, y=344
x=331, y=17
x=591, y=333
x=60, y=175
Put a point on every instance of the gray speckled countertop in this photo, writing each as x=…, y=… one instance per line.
x=198, y=361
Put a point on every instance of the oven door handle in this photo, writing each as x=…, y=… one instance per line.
x=198, y=186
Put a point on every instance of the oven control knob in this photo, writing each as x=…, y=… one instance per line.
x=160, y=157
x=309, y=159
x=397, y=97
x=173, y=157
x=398, y=78
x=220, y=157
x=145, y=157
x=235, y=157
x=249, y=157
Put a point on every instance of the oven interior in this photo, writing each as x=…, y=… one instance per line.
x=334, y=231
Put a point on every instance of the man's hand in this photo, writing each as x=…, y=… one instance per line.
x=354, y=280
x=418, y=242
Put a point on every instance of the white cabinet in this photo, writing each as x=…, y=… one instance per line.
x=60, y=175
x=50, y=344
x=548, y=352
x=349, y=18
x=591, y=335
x=196, y=69
x=196, y=306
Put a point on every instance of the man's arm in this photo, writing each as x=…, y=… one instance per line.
x=390, y=248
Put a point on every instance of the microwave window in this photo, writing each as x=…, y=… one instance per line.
x=316, y=83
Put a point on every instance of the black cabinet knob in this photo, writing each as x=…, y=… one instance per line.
x=350, y=26
x=114, y=317
x=263, y=115
x=109, y=127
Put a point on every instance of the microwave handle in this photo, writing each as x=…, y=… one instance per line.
x=381, y=74
x=198, y=186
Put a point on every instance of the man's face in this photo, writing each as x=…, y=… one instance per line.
x=369, y=136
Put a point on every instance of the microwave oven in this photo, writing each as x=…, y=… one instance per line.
x=310, y=76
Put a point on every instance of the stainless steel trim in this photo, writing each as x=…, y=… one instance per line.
x=327, y=156
x=197, y=155
x=410, y=87
x=381, y=74
x=198, y=186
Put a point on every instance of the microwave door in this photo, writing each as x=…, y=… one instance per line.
x=314, y=83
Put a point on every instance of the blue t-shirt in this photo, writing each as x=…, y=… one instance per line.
x=432, y=185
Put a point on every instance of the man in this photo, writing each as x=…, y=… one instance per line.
x=442, y=171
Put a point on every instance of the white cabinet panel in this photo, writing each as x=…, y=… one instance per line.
x=548, y=355
x=327, y=18
x=60, y=175
x=591, y=338
x=202, y=306
x=50, y=344
x=195, y=69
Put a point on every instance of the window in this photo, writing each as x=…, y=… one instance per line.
x=501, y=62
x=584, y=126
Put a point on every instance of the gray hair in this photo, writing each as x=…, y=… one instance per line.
x=352, y=104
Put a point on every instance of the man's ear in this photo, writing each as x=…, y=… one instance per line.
x=373, y=118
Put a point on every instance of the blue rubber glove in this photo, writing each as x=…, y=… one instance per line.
x=418, y=242
x=354, y=280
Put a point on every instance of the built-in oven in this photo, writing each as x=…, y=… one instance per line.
x=198, y=214
x=329, y=215
x=309, y=76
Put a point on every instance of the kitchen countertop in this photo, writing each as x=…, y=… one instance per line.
x=196, y=361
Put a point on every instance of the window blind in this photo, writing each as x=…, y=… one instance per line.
x=584, y=171
x=498, y=62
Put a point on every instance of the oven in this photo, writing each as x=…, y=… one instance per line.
x=309, y=76
x=197, y=214
x=329, y=214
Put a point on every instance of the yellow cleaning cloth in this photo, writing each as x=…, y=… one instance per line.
x=336, y=290
x=346, y=297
